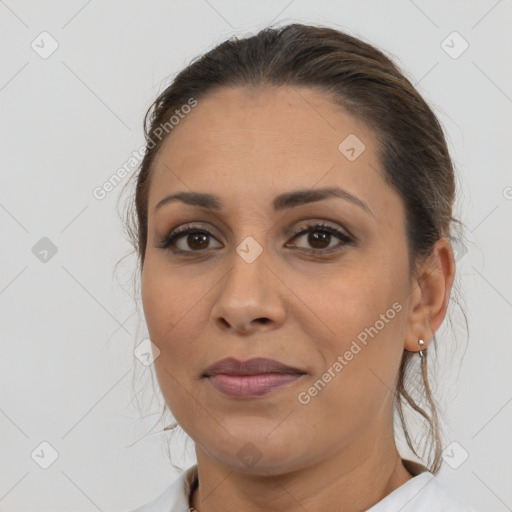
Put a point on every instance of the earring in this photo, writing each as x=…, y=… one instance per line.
x=421, y=343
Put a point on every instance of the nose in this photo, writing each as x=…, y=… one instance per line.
x=250, y=297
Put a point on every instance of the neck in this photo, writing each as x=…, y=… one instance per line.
x=332, y=484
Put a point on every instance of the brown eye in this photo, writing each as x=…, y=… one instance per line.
x=188, y=240
x=319, y=238
x=197, y=240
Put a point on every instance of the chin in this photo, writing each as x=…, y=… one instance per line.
x=255, y=455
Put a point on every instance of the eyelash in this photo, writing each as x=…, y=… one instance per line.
x=178, y=233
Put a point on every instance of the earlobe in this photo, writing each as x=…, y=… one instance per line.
x=417, y=342
x=430, y=295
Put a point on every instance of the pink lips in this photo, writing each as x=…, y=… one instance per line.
x=253, y=378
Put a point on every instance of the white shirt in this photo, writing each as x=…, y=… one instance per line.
x=422, y=493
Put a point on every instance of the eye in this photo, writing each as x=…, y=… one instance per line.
x=188, y=239
x=319, y=236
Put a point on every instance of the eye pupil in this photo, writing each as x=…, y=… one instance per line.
x=319, y=236
x=201, y=238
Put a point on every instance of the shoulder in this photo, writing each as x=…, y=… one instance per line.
x=422, y=493
x=174, y=498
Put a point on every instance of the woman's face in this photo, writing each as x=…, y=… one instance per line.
x=253, y=282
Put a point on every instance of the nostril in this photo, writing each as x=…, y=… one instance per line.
x=225, y=322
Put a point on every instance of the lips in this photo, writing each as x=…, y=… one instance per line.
x=254, y=366
x=250, y=379
x=252, y=386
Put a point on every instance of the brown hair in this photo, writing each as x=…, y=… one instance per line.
x=411, y=146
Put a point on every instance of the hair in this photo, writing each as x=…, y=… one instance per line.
x=411, y=148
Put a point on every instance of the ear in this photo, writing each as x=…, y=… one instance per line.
x=430, y=293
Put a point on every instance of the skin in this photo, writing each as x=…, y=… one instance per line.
x=248, y=146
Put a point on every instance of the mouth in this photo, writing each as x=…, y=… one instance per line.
x=252, y=386
x=250, y=379
x=254, y=366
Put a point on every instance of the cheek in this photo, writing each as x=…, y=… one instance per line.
x=175, y=309
x=342, y=299
x=172, y=313
x=166, y=296
x=357, y=314
x=360, y=350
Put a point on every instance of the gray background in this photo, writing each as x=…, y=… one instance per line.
x=69, y=325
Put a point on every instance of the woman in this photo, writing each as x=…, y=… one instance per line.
x=292, y=218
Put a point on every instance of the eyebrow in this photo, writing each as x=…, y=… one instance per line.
x=281, y=202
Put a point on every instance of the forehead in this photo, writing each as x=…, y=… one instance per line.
x=259, y=142
x=270, y=118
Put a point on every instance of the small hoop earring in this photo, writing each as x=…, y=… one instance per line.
x=421, y=343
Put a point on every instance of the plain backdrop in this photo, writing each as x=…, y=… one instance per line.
x=76, y=78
